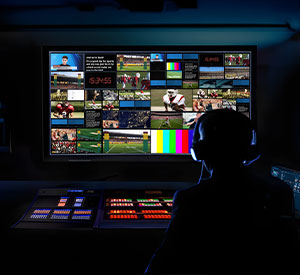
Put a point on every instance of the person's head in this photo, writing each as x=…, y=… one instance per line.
x=64, y=60
x=223, y=137
x=172, y=93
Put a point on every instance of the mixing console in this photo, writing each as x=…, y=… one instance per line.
x=61, y=208
x=57, y=208
x=141, y=209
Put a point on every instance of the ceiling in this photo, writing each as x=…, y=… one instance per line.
x=68, y=12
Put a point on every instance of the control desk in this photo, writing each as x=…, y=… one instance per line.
x=93, y=208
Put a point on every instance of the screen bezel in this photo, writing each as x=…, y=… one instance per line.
x=130, y=157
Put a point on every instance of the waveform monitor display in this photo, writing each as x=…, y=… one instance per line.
x=139, y=102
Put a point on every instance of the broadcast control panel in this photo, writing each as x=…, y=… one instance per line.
x=80, y=208
x=152, y=208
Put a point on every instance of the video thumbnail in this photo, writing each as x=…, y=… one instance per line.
x=89, y=147
x=66, y=109
x=214, y=93
x=127, y=62
x=229, y=104
x=110, y=95
x=89, y=134
x=171, y=100
x=126, y=95
x=110, y=119
x=67, y=80
x=133, y=80
x=110, y=105
x=229, y=93
x=174, y=74
x=237, y=73
x=166, y=121
x=190, y=120
x=66, y=62
x=199, y=93
x=157, y=57
x=63, y=147
x=189, y=84
x=134, y=119
x=110, y=115
x=203, y=105
x=211, y=73
x=243, y=93
x=58, y=94
x=142, y=95
x=237, y=59
x=126, y=141
x=110, y=124
x=93, y=99
x=63, y=134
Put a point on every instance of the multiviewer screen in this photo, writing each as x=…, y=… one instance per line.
x=140, y=102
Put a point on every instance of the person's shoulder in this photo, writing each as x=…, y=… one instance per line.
x=192, y=191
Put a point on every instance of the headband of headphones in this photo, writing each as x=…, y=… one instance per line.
x=228, y=128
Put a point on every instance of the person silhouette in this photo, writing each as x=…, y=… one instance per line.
x=233, y=220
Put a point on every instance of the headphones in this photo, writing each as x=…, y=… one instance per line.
x=201, y=148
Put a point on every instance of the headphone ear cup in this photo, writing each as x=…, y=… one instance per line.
x=198, y=149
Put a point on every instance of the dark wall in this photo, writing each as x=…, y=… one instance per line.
x=277, y=98
x=278, y=105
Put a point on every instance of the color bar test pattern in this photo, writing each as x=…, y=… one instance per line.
x=171, y=141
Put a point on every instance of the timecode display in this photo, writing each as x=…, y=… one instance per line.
x=100, y=80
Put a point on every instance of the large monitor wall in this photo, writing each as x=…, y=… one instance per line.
x=138, y=101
